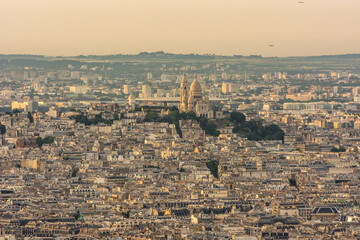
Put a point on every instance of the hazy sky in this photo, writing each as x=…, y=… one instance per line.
x=73, y=27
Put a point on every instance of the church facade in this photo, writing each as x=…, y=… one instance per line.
x=192, y=100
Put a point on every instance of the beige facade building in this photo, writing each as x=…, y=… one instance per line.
x=193, y=101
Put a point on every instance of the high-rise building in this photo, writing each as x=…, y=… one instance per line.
x=149, y=76
x=225, y=87
x=224, y=76
x=82, y=89
x=146, y=91
x=75, y=75
x=127, y=89
x=234, y=87
x=213, y=77
x=230, y=87
x=356, y=91
x=131, y=100
x=30, y=106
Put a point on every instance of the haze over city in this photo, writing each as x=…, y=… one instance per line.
x=225, y=27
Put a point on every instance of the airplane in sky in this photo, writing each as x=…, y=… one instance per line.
x=271, y=45
x=301, y=2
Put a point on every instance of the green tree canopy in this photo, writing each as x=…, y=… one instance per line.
x=254, y=130
x=2, y=129
x=152, y=117
x=47, y=140
x=237, y=117
x=116, y=116
x=340, y=149
x=175, y=116
x=30, y=117
x=213, y=167
x=81, y=118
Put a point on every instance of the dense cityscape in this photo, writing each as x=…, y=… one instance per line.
x=179, y=146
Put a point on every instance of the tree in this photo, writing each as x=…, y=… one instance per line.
x=175, y=116
x=190, y=115
x=39, y=141
x=116, y=116
x=137, y=108
x=292, y=181
x=236, y=129
x=30, y=117
x=237, y=117
x=173, y=109
x=213, y=167
x=126, y=214
x=151, y=117
x=178, y=129
x=254, y=130
x=14, y=111
x=2, y=129
x=47, y=140
x=335, y=149
x=83, y=119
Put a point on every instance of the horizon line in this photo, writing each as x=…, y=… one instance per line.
x=162, y=52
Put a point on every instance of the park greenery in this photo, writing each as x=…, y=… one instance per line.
x=175, y=116
x=335, y=149
x=14, y=111
x=126, y=214
x=47, y=140
x=116, y=116
x=213, y=167
x=252, y=130
x=85, y=120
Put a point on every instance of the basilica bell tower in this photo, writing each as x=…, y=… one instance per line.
x=184, y=96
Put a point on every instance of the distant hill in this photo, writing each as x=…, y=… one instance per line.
x=163, y=55
x=349, y=56
x=24, y=56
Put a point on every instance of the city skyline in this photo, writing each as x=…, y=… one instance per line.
x=68, y=28
x=179, y=120
x=177, y=147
